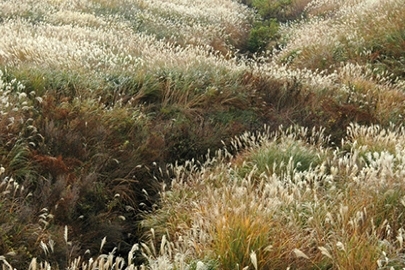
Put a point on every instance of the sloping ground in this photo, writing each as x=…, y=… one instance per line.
x=287, y=202
x=98, y=98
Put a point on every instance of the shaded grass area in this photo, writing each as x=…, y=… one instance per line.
x=88, y=161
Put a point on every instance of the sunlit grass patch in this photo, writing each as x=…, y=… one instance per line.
x=281, y=158
x=378, y=95
x=374, y=142
x=236, y=217
x=333, y=212
x=237, y=237
x=352, y=33
x=180, y=23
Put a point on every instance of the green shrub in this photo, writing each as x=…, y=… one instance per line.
x=272, y=8
x=262, y=34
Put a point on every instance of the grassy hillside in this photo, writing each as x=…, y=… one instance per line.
x=262, y=134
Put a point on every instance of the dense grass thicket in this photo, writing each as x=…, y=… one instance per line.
x=215, y=134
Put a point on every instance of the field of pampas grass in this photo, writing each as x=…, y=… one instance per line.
x=290, y=201
x=178, y=134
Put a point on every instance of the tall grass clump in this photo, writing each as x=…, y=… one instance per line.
x=347, y=32
x=327, y=215
x=279, y=155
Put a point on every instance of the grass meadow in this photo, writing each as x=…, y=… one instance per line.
x=197, y=135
